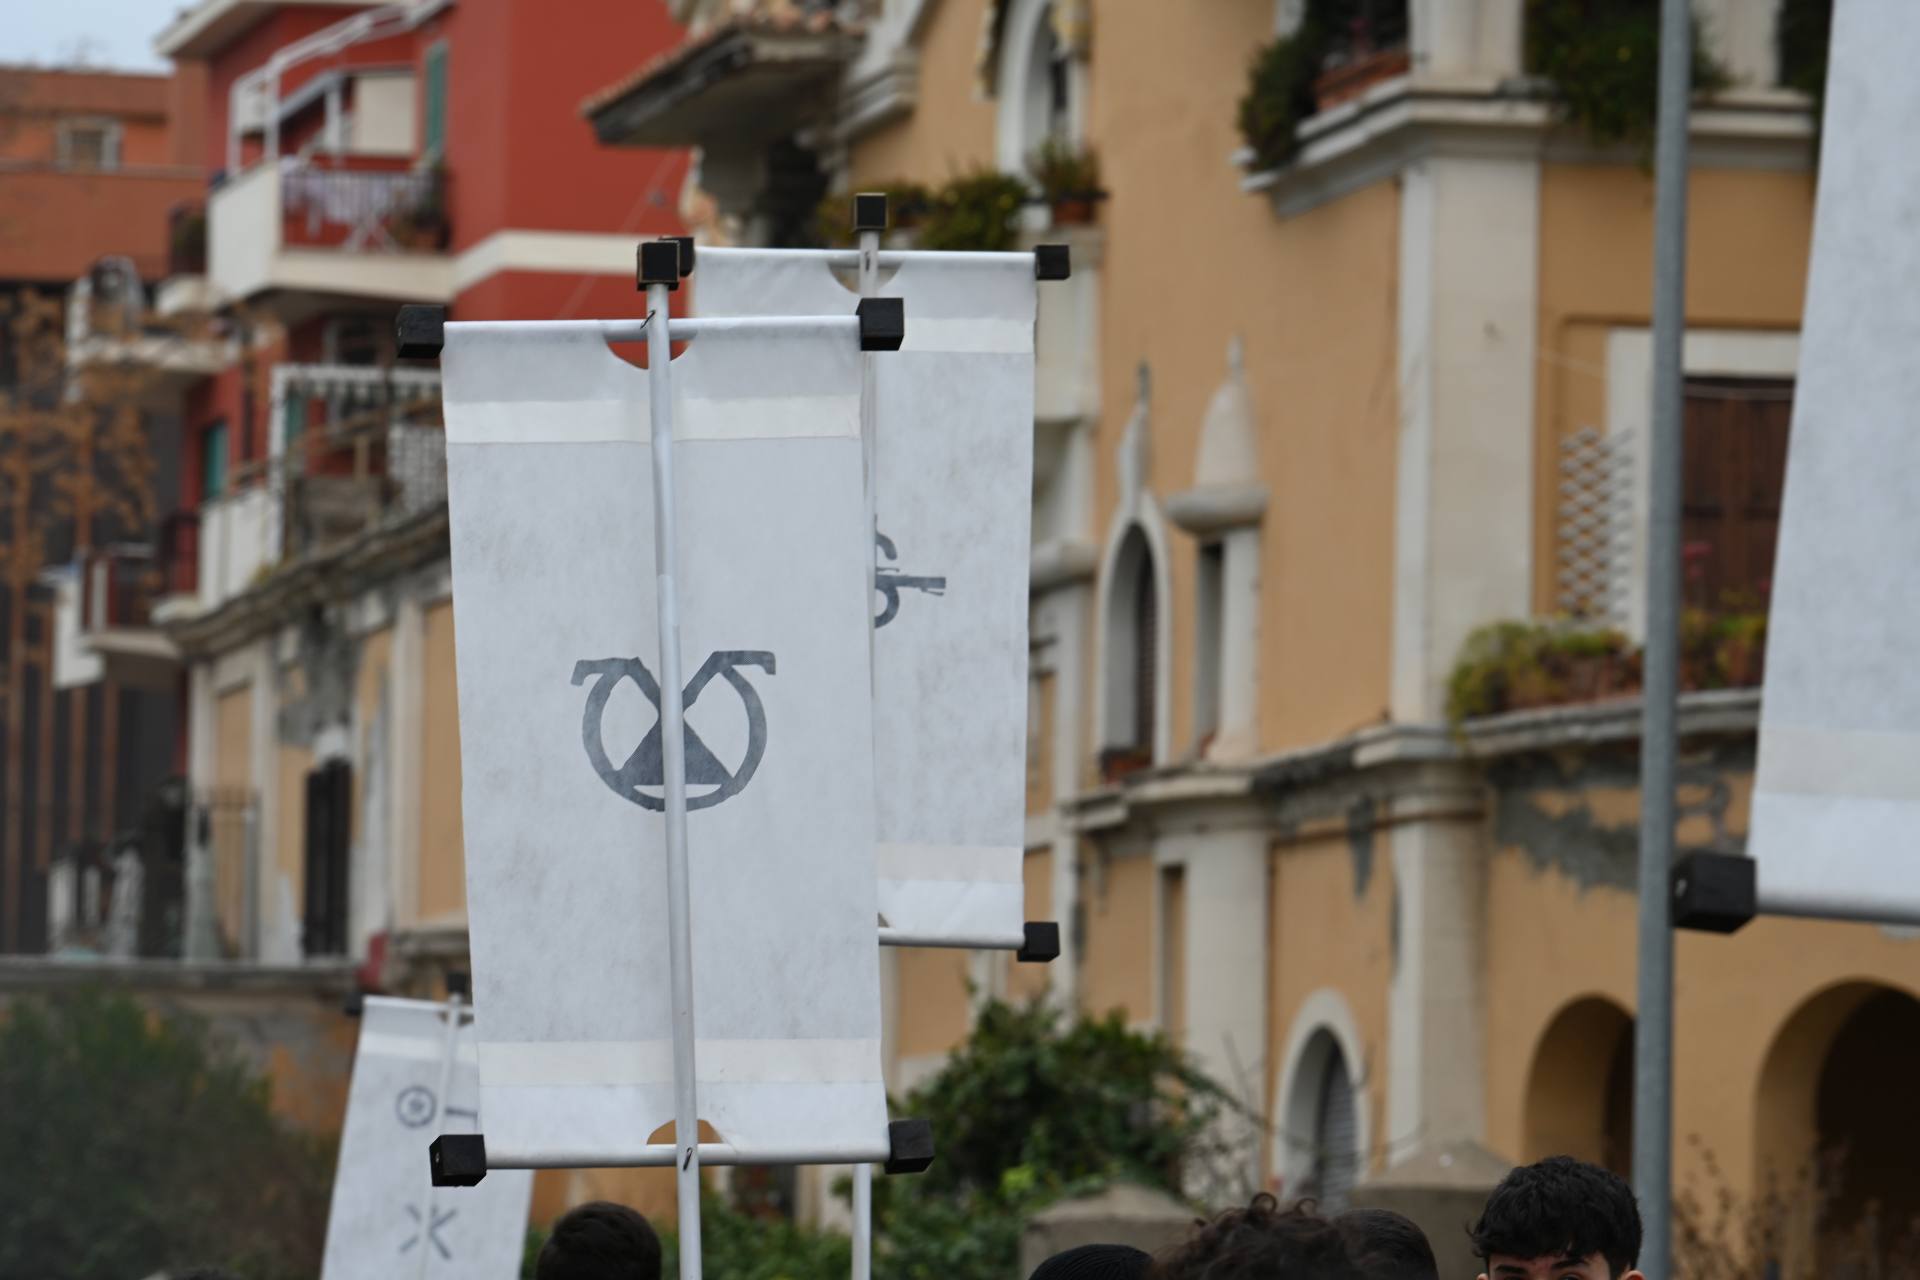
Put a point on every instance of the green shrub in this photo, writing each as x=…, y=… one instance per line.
x=1603, y=57
x=975, y=211
x=130, y=1143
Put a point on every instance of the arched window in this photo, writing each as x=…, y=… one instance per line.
x=1132, y=657
x=1039, y=83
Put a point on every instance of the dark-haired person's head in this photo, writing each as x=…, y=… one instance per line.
x=600, y=1241
x=1387, y=1246
x=1260, y=1242
x=1560, y=1219
x=201, y=1273
x=1095, y=1262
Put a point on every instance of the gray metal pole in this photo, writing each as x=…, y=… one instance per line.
x=869, y=443
x=1653, y=1027
x=673, y=759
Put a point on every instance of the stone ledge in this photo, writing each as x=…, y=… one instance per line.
x=31, y=973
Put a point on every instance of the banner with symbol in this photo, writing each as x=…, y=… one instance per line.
x=557, y=652
x=1836, y=807
x=954, y=491
x=385, y=1212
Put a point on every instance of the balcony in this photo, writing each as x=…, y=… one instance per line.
x=352, y=226
x=152, y=358
x=103, y=621
x=355, y=448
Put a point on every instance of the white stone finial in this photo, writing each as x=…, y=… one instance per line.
x=1236, y=356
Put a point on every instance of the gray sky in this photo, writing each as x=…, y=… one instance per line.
x=103, y=33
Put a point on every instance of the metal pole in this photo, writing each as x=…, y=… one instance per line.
x=862, y=1221
x=1653, y=1029
x=449, y=1049
x=673, y=754
x=869, y=447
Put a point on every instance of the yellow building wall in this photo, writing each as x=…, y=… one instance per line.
x=1748, y=236
x=1331, y=909
x=443, y=867
x=233, y=780
x=933, y=1010
x=1555, y=936
x=1117, y=897
x=1026, y=981
x=952, y=131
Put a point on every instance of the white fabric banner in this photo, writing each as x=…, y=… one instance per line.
x=953, y=497
x=385, y=1210
x=1836, y=809
x=554, y=600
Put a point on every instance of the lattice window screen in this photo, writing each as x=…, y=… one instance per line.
x=1594, y=547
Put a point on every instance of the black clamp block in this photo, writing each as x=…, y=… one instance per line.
x=883, y=323
x=1714, y=892
x=460, y=984
x=870, y=211
x=686, y=254
x=1042, y=944
x=355, y=1004
x=659, y=263
x=909, y=1146
x=1052, y=262
x=421, y=330
x=459, y=1159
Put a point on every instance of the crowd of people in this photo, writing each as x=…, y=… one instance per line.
x=1560, y=1219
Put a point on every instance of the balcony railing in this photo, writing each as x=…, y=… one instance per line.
x=365, y=209
x=354, y=448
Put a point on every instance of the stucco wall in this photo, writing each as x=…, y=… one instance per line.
x=443, y=873
x=1562, y=927
x=1332, y=932
x=1748, y=236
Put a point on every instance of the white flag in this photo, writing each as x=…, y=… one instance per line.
x=385, y=1212
x=954, y=493
x=554, y=596
x=1836, y=810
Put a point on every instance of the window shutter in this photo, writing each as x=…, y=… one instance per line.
x=1734, y=473
x=1146, y=642
x=436, y=92
x=329, y=827
x=1336, y=1134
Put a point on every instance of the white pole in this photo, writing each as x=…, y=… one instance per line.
x=673, y=756
x=449, y=1049
x=862, y=1222
x=869, y=447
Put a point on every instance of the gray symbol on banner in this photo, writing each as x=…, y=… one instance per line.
x=891, y=582
x=416, y=1107
x=644, y=767
x=440, y=1219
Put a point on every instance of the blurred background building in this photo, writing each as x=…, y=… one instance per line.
x=1337, y=566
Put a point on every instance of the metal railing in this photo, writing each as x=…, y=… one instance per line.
x=381, y=210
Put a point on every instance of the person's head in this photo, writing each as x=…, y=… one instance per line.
x=201, y=1273
x=1561, y=1219
x=1260, y=1242
x=600, y=1241
x=1095, y=1262
x=1387, y=1246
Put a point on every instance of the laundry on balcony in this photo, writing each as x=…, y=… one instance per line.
x=396, y=210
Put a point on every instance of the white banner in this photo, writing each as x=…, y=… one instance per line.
x=954, y=493
x=1836, y=809
x=386, y=1213
x=554, y=600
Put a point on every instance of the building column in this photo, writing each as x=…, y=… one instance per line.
x=1468, y=317
x=1225, y=997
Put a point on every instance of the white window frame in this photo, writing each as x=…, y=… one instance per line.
x=1021, y=39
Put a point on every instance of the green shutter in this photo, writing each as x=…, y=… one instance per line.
x=213, y=462
x=296, y=419
x=436, y=132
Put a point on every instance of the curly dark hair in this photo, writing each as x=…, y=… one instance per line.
x=1387, y=1246
x=1561, y=1208
x=1260, y=1242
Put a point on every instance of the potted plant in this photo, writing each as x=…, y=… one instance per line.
x=421, y=223
x=1603, y=58
x=1368, y=45
x=1068, y=176
x=975, y=211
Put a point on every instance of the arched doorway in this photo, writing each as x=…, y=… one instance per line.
x=1838, y=1127
x=1132, y=641
x=1580, y=1088
x=1322, y=1126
